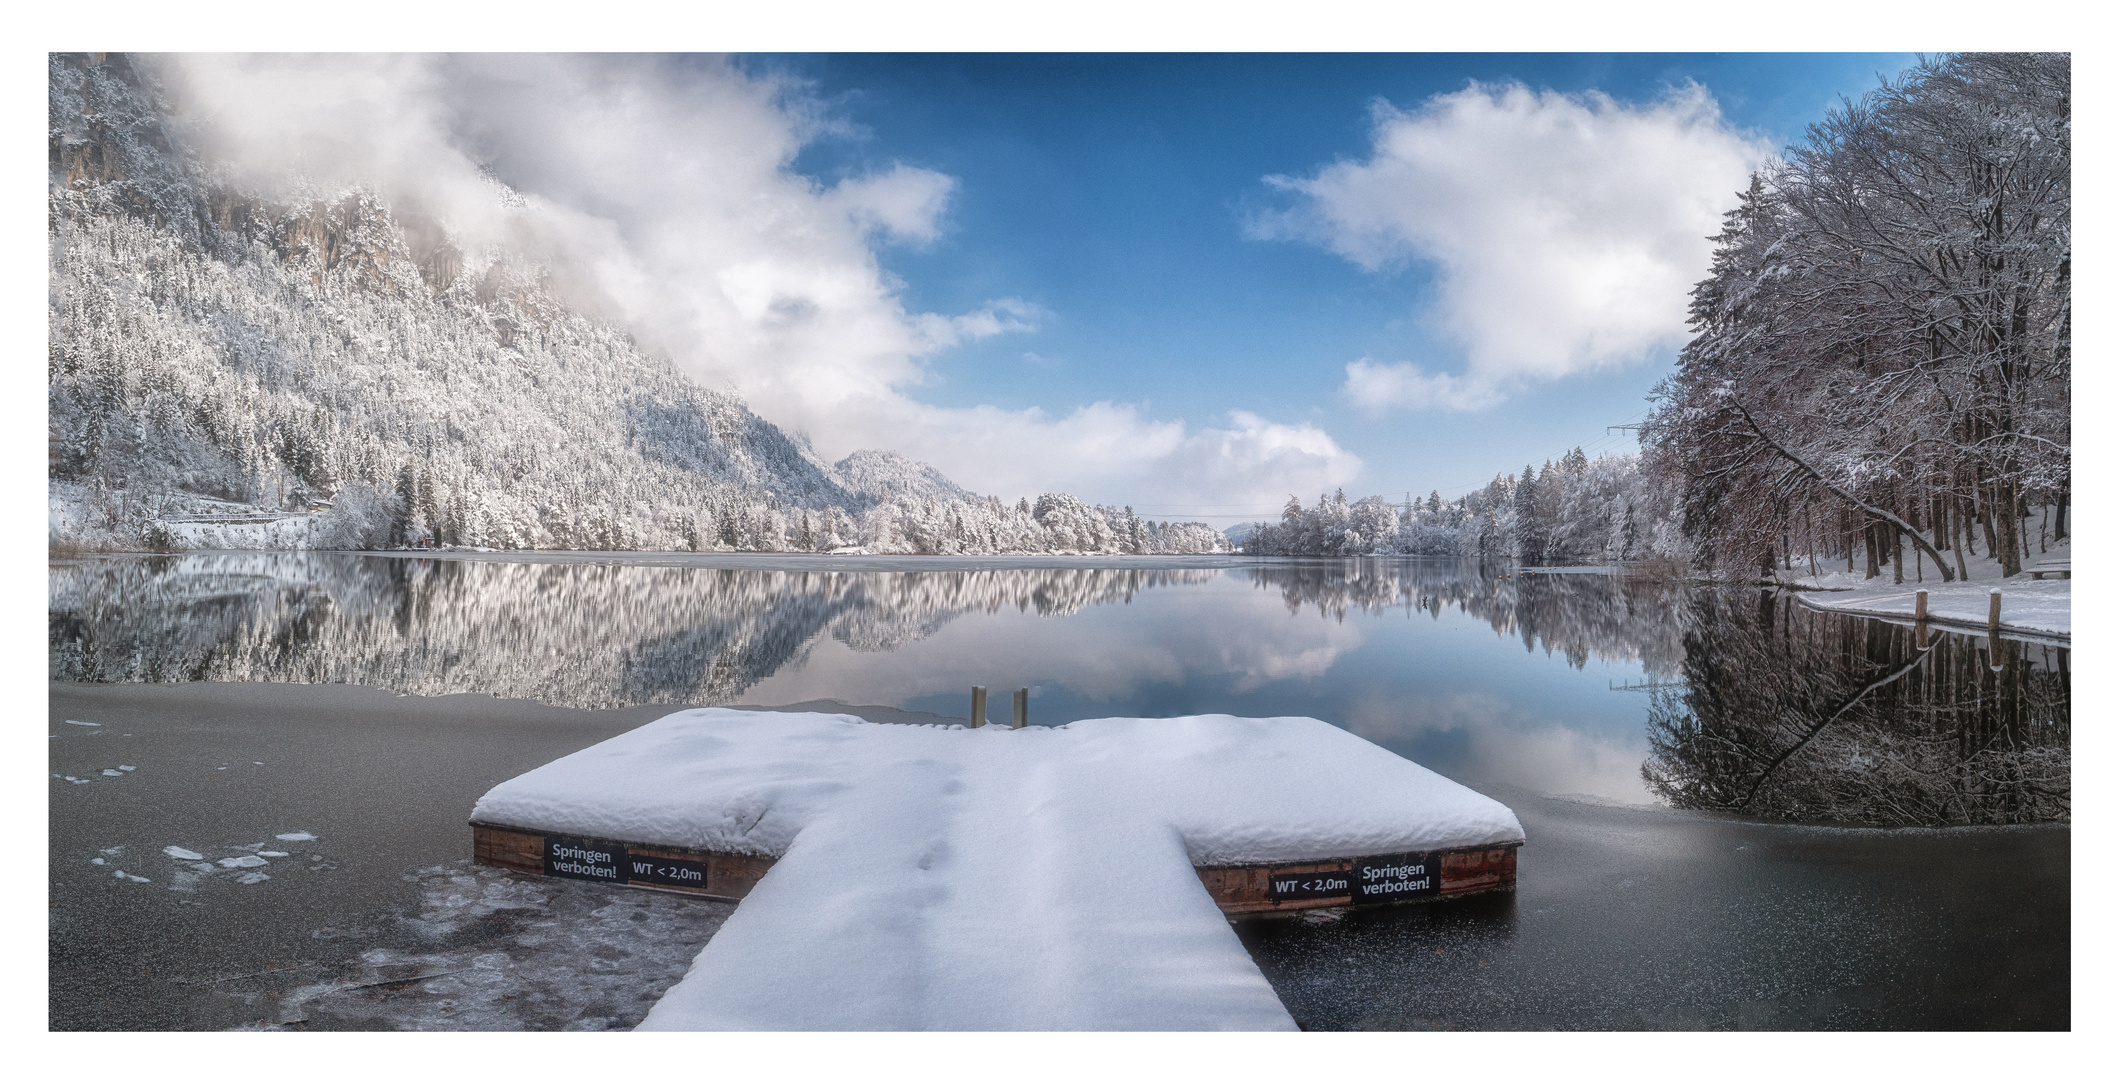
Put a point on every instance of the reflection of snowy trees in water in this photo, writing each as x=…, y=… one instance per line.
x=1782, y=712
x=1614, y=619
x=1801, y=715
x=579, y=634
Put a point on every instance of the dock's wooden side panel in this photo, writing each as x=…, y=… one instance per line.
x=1244, y=889
x=729, y=876
x=1248, y=888
x=1477, y=871
x=507, y=848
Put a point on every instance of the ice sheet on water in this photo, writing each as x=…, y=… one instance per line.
x=274, y=854
x=112, y=772
x=126, y=768
x=83, y=723
x=252, y=878
x=244, y=862
x=293, y=837
x=488, y=950
x=187, y=854
x=95, y=862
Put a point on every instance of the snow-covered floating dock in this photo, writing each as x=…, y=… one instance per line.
x=935, y=877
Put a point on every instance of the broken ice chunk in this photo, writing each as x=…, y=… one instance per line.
x=95, y=862
x=274, y=854
x=112, y=772
x=246, y=861
x=252, y=878
x=292, y=836
x=83, y=723
x=176, y=852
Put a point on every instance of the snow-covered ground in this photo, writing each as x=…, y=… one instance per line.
x=2029, y=606
x=947, y=878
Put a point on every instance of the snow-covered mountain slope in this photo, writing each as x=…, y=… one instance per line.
x=885, y=476
x=276, y=354
x=205, y=339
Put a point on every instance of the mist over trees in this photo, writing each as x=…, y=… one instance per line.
x=328, y=370
x=1575, y=511
x=1880, y=363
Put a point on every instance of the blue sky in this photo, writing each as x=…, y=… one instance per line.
x=1115, y=193
x=1194, y=284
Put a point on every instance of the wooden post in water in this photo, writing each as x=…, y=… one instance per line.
x=1921, y=605
x=978, y=705
x=1019, y=708
x=1994, y=610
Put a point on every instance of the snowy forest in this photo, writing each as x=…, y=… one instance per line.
x=1574, y=511
x=334, y=372
x=1878, y=373
x=1880, y=362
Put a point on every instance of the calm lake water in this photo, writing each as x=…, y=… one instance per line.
x=1582, y=684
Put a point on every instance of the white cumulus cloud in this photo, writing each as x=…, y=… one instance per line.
x=664, y=193
x=1562, y=231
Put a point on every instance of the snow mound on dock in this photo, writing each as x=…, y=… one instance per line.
x=946, y=878
x=1238, y=790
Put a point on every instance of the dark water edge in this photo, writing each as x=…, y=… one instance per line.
x=1625, y=918
x=1632, y=919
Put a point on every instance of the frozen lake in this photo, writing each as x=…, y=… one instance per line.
x=1690, y=764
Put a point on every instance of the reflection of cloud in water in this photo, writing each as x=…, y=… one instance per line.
x=1217, y=631
x=1482, y=739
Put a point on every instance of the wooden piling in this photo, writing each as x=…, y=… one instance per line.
x=1994, y=610
x=978, y=705
x=1019, y=708
x=1921, y=605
